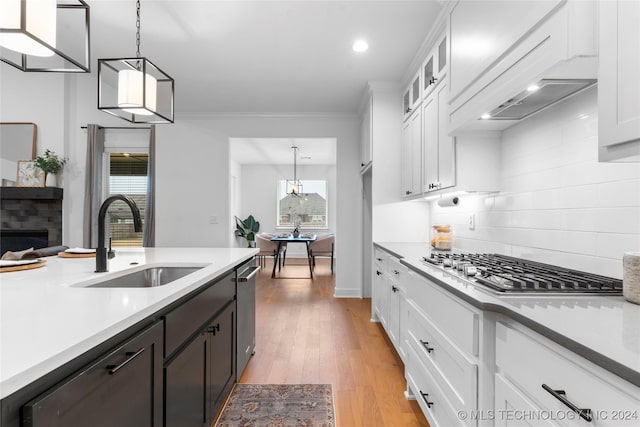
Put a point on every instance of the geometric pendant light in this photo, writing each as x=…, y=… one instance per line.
x=134, y=89
x=45, y=36
x=294, y=186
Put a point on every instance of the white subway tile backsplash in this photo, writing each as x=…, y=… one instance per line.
x=615, y=245
x=624, y=220
x=557, y=203
x=618, y=193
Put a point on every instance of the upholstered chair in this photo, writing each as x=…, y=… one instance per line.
x=323, y=246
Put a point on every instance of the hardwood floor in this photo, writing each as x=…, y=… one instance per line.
x=304, y=335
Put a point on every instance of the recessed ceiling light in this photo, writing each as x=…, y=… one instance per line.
x=360, y=46
x=533, y=88
x=485, y=116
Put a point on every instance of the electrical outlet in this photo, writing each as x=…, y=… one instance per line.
x=472, y=222
x=213, y=219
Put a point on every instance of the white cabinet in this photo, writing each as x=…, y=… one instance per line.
x=397, y=308
x=366, y=134
x=412, y=96
x=438, y=147
x=555, y=380
x=619, y=81
x=434, y=67
x=412, y=156
x=443, y=335
x=379, y=292
x=389, y=302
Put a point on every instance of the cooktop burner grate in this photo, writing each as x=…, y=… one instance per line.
x=503, y=273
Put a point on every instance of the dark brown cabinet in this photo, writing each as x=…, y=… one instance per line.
x=200, y=371
x=122, y=389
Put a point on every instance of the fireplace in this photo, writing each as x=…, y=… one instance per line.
x=30, y=217
x=17, y=240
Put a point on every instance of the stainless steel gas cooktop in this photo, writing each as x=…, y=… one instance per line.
x=507, y=274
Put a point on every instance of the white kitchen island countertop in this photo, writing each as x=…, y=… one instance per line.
x=48, y=317
x=602, y=329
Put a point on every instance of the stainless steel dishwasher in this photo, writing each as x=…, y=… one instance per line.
x=246, y=314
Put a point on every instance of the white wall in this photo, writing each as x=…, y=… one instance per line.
x=194, y=152
x=558, y=205
x=393, y=219
x=259, y=191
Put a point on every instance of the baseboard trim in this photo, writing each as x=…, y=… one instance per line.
x=347, y=293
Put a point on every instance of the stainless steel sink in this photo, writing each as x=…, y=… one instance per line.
x=147, y=278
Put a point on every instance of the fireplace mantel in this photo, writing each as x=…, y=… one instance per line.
x=30, y=193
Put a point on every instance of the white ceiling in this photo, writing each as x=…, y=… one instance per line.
x=278, y=151
x=266, y=56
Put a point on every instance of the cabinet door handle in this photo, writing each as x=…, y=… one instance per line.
x=379, y=259
x=425, y=396
x=214, y=329
x=585, y=413
x=132, y=355
x=426, y=346
x=378, y=273
x=394, y=289
x=396, y=272
x=408, y=192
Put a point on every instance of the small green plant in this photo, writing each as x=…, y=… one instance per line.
x=50, y=162
x=247, y=228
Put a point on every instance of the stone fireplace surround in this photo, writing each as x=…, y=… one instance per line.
x=27, y=209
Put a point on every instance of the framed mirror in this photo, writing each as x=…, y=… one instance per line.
x=17, y=142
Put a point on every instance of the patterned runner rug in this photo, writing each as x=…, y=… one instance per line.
x=282, y=405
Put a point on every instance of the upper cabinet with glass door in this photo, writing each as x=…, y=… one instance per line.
x=412, y=96
x=435, y=66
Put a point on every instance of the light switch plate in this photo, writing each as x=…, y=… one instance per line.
x=472, y=222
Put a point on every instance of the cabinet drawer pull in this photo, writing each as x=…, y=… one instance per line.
x=214, y=329
x=394, y=289
x=379, y=259
x=132, y=355
x=425, y=397
x=408, y=192
x=378, y=273
x=426, y=346
x=585, y=413
x=396, y=272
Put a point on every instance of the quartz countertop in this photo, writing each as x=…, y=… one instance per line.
x=48, y=316
x=602, y=329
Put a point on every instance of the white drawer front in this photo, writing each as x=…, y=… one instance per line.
x=457, y=321
x=439, y=411
x=397, y=272
x=529, y=363
x=457, y=375
x=512, y=408
x=380, y=259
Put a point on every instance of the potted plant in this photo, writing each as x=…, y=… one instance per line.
x=51, y=164
x=248, y=229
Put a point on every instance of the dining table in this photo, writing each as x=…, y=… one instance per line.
x=305, y=238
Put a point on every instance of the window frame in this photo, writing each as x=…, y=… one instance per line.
x=283, y=183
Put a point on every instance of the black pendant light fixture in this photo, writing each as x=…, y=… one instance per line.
x=294, y=186
x=134, y=89
x=45, y=35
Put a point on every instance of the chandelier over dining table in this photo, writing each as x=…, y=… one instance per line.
x=294, y=186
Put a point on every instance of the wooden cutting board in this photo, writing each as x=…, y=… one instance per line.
x=70, y=255
x=23, y=267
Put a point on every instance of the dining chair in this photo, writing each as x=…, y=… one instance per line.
x=268, y=248
x=323, y=246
